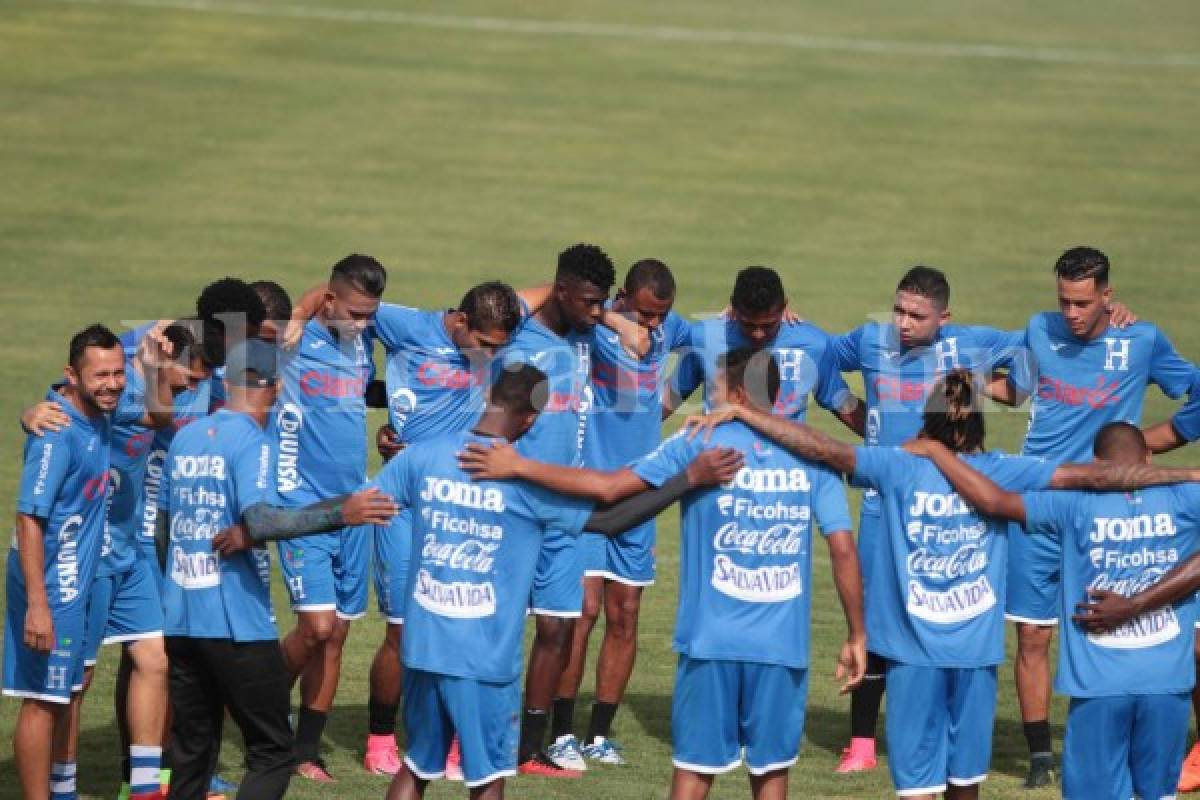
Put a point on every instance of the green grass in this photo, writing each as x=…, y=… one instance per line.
x=148, y=150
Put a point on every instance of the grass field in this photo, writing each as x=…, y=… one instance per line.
x=150, y=146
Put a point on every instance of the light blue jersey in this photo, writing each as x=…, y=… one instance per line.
x=806, y=365
x=746, y=548
x=475, y=546
x=1186, y=421
x=938, y=586
x=1122, y=542
x=215, y=469
x=433, y=388
x=318, y=426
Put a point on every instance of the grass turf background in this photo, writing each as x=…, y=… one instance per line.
x=149, y=150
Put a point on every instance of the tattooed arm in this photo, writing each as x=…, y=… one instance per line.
x=795, y=437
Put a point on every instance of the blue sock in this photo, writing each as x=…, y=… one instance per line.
x=62, y=781
x=144, y=763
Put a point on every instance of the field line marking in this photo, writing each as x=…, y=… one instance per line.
x=667, y=33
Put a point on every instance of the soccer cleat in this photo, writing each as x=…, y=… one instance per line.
x=454, y=761
x=566, y=753
x=604, y=751
x=858, y=757
x=383, y=757
x=315, y=771
x=218, y=785
x=541, y=764
x=1041, y=772
x=1189, y=778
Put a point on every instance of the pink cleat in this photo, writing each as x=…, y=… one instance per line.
x=315, y=771
x=383, y=757
x=454, y=761
x=858, y=757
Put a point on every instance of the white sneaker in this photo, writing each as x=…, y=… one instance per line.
x=566, y=754
x=604, y=751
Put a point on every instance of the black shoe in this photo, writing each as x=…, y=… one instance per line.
x=1041, y=772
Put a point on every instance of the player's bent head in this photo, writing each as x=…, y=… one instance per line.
x=520, y=392
x=1083, y=264
x=954, y=413
x=188, y=365
x=229, y=309
x=748, y=377
x=1121, y=442
x=486, y=317
x=278, y=304
x=96, y=368
x=758, y=302
x=649, y=292
x=582, y=281
x=929, y=283
x=355, y=286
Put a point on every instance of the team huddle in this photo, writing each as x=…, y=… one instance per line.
x=523, y=470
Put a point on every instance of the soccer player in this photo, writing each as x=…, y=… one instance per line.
x=757, y=320
x=553, y=340
x=900, y=361
x=742, y=626
x=56, y=548
x=473, y=571
x=437, y=371
x=624, y=424
x=938, y=579
x=1129, y=686
x=318, y=433
x=224, y=651
x=1084, y=373
x=278, y=306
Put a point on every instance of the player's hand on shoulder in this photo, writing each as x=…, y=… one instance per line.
x=369, y=507
x=921, y=446
x=387, y=442
x=790, y=317
x=715, y=466
x=706, y=423
x=231, y=540
x=293, y=333
x=39, y=628
x=492, y=461
x=1105, y=611
x=1120, y=316
x=45, y=417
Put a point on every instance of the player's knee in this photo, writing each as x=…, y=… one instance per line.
x=1034, y=640
x=623, y=623
x=391, y=638
x=149, y=658
x=555, y=632
x=591, y=609
x=317, y=628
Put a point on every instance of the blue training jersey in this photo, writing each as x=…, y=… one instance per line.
x=897, y=380
x=625, y=421
x=216, y=468
x=1122, y=542
x=1186, y=421
x=432, y=386
x=1078, y=386
x=64, y=483
x=318, y=429
x=745, y=583
x=475, y=547
x=806, y=365
x=937, y=590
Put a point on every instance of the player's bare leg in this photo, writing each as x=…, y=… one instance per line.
x=962, y=792
x=147, y=702
x=564, y=747
x=547, y=659
x=1189, y=777
x=387, y=674
x=1032, y=670
x=686, y=785
x=769, y=786
x=36, y=723
x=313, y=651
x=618, y=653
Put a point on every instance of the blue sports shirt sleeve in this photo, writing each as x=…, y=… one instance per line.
x=871, y=465
x=47, y=462
x=1186, y=421
x=831, y=390
x=689, y=373
x=1048, y=512
x=1022, y=473
x=393, y=325
x=668, y=460
x=1174, y=374
x=846, y=350
x=251, y=471
x=829, y=501
x=393, y=480
x=558, y=512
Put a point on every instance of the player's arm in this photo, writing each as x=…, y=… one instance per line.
x=303, y=310
x=634, y=338
x=847, y=577
x=853, y=414
x=1107, y=610
x=615, y=519
x=975, y=488
x=999, y=387
x=501, y=461
x=1104, y=476
x=262, y=522
x=795, y=437
x=39, y=624
x=1160, y=438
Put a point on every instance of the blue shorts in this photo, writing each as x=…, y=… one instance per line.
x=558, y=580
x=329, y=571
x=486, y=717
x=28, y=674
x=393, y=549
x=123, y=608
x=1117, y=747
x=1033, y=577
x=628, y=558
x=721, y=708
x=939, y=726
x=150, y=556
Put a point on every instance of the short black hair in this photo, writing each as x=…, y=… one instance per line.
x=92, y=336
x=230, y=296
x=363, y=273
x=520, y=388
x=1081, y=263
x=588, y=263
x=491, y=306
x=1118, y=439
x=275, y=300
x=652, y=274
x=756, y=371
x=758, y=290
x=927, y=282
x=183, y=341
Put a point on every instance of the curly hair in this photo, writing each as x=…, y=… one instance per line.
x=952, y=413
x=587, y=263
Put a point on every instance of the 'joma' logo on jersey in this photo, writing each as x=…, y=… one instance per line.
x=770, y=480
x=931, y=504
x=1128, y=529
x=462, y=494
